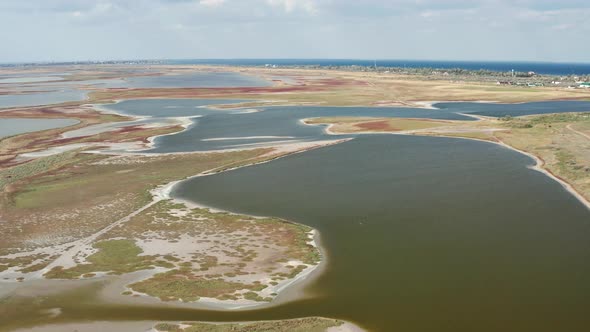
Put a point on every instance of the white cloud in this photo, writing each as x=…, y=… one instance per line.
x=97, y=11
x=289, y=6
x=435, y=29
x=429, y=14
x=211, y=3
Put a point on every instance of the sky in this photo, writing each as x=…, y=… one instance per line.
x=496, y=30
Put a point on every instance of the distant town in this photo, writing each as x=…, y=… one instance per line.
x=513, y=78
x=524, y=79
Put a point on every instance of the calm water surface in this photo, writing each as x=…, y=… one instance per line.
x=201, y=80
x=59, y=92
x=499, y=110
x=421, y=233
x=424, y=234
x=10, y=126
x=55, y=96
x=230, y=129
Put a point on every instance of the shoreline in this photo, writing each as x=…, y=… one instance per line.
x=538, y=166
x=289, y=290
x=150, y=325
x=539, y=162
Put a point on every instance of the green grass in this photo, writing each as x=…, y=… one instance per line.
x=547, y=119
x=113, y=256
x=569, y=167
x=61, y=196
x=183, y=285
x=39, y=166
x=25, y=263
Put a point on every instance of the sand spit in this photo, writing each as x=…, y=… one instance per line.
x=143, y=326
x=244, y=138
x=248, y=111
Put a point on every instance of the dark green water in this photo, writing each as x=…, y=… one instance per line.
x=421, y=234
x=424, y=234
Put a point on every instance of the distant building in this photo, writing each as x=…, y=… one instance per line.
x=585, y=85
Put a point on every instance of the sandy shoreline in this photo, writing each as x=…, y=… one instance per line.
x=145, y=326
x=287, y=290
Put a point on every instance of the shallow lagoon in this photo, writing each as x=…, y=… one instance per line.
x=424, y=234
x=55, y=91
x=266, y=126
x=201, y=80
x=59, y=95
x=10, y=126
x=499, y=110
x=421, y=233
x=29, y=79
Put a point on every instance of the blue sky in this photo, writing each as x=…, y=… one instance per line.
x=522, y=30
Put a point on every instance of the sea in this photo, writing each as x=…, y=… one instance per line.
x=547, y=68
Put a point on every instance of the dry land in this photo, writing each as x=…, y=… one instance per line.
x=311, y=324
x=196, y=254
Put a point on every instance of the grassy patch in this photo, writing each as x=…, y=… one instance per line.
x=219, y=252
x=360, y=124
x=185, y=286
x=310, y=324
x=113, y=256
x=38, y=166
x=71, y=195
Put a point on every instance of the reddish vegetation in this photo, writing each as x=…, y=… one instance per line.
x=339, y=82
x=376, y=125
x=49, y=112
x=314, y=86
